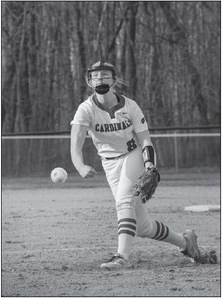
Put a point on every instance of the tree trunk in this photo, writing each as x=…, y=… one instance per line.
x=131, y=69
x=81, y=47
x=180, y=37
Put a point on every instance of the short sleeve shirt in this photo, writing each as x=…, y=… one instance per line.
x=112, y=130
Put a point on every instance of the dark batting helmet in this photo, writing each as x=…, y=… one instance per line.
x=101, y=65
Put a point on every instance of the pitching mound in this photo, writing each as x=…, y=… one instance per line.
x=203, y=208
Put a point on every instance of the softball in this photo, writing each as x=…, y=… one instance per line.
x=58, y=175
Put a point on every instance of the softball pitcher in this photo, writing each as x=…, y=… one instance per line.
x=120, y=134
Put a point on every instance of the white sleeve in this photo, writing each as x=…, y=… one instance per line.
x=138, y=119
x=81, y=116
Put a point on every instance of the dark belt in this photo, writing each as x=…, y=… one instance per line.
x=115, y=157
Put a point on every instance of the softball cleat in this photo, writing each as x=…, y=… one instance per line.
x=116, y=262
x=191, y=249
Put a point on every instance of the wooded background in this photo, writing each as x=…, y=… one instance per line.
x=167, y=53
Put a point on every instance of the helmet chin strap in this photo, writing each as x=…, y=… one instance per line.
x=103, y=88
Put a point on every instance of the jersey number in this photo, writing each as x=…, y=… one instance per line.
x=131, y=145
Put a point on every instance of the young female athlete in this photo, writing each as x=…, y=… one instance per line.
x=120, y=134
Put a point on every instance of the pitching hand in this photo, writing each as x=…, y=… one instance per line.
x=87, y=171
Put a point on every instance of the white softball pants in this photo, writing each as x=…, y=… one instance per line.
x=122, y=174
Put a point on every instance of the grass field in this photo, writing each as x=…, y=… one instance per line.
x=55, y=236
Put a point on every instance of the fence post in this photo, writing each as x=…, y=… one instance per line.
x=176, y=152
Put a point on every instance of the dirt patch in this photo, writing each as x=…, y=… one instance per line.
x=54, y=239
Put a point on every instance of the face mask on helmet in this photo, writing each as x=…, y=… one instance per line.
x=102, y=89
x=99, y=66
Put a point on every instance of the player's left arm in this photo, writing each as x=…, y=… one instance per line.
x=142, y=133
x=148, y=151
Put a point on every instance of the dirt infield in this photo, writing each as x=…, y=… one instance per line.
x=54, y=238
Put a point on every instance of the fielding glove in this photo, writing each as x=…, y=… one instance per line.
x=147, y=184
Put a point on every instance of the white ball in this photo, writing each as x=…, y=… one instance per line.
x=58, y=175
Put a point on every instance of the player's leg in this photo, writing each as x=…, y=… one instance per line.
x=153, y=229
x=122, y=177
x=186, y=242
x=112, y=169
x=156, y=230
x=125, y=201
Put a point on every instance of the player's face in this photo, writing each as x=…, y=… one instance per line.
x=101, y=77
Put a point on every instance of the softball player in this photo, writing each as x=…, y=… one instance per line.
x=120, y=134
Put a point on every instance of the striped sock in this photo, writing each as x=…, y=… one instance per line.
x=163, y=233
x=127, y=226
x=126, y=233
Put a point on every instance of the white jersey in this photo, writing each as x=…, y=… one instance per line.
x=112, y=130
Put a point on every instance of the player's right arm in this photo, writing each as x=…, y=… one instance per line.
x=78, y=135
